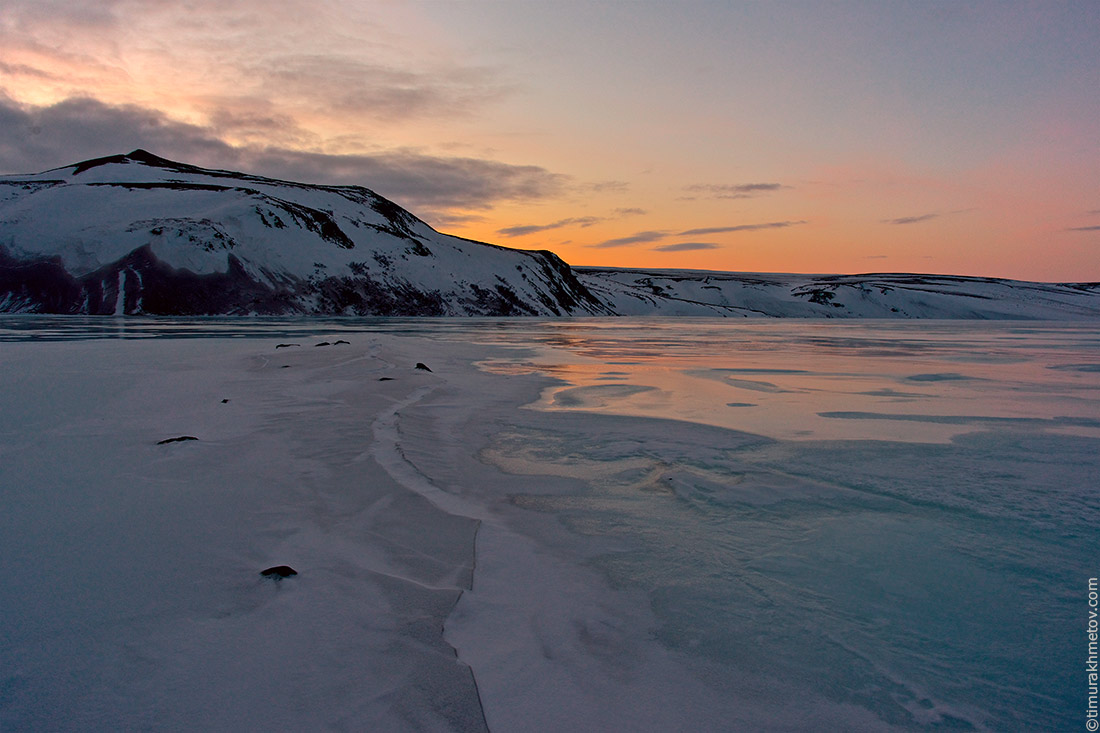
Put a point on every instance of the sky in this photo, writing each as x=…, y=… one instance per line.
x=820, y=137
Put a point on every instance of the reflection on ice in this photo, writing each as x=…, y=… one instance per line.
x=805, y=375
x=879, y=525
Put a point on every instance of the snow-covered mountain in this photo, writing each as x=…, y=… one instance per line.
x=136, y=233
x=694, y=293
x=140, y=234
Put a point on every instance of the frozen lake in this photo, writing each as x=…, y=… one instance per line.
x=766, y=525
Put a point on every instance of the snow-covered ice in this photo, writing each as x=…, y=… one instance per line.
x=680, y=524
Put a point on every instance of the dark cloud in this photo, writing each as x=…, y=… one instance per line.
x=36, y=138
x=630, y=212
x=733, y=190
x=910, y=219
x=1084, y=229
x=742, y=228
x=639, y=238
x=686, y=246
x=519, y=231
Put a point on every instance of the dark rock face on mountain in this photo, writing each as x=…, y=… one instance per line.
x=136, y=234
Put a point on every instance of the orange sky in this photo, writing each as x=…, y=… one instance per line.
x=784, y=137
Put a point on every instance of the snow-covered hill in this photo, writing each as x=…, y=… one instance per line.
x=136, y=233
x=694, y=293
x=140, y=234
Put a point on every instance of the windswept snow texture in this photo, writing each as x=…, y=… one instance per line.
x=137, y=234
x=701, y=293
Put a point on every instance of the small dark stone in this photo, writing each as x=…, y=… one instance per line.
x=278, y=572
x=420, y=365
x=224, y=401
x=180, y=439
x=285, y=346
x=342, y=341
x=385, y=379
x=323, y=343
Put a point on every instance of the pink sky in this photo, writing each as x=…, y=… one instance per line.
x=787, y=137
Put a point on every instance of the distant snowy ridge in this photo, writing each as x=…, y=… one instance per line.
x=701, y=293
x=132, y=234
x=138, y=234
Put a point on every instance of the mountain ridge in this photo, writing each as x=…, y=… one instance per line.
x=136, y=233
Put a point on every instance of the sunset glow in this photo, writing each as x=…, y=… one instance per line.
x=836, y=137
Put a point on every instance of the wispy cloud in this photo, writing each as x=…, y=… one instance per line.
x=339, y=82
x=317, y=69
x=1095, y=228
x=910, y=219
x=639, y=238
x=686, y=246
x=577, y=221
x=607, y=186
x=447, y=219
x=733, y=190
x=742, y=228
x=901, y=221
x=37, y=138
x=524, y=229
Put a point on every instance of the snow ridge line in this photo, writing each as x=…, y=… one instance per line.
x=388, y=454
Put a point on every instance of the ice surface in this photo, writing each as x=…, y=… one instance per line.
x=863, y=547
x=132, y=596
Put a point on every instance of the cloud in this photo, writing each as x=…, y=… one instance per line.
x=910, y=219
x=337, y=82
x=1084, y=229
x=925, y=217
x=36, y=138
x=607, y=186
x=337, y=63
x=639, y=238
x=519, y=231
x=734, y=190
x=742, y=228
x=686, y=247
x=580, y=221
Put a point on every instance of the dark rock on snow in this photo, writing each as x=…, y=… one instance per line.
x=180, y=439
x=278, y=572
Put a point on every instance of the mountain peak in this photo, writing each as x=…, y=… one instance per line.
x=141, y=156
x=144, y=156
